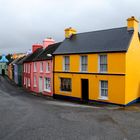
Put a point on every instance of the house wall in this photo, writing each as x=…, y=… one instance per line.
x=115, y=77
x=133, y=70
x=16, y=73
x=27, y=75
x=43, y=74
x=3, y=66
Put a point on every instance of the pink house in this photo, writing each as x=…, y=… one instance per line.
x=43, y=71
x=38, y=68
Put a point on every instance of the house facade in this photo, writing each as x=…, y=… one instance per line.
x=30, y=75
x=43, y=71
x=99, y=66
x=3, y=65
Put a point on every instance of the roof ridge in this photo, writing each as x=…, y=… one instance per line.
x=101, y=30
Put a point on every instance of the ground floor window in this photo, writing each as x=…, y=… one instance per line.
x=47, y=86
x=29, y=82
x=104, y=89
x=24, y=80
x=65, y=84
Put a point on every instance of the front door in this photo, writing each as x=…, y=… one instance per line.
x=40, y=84
x=3, y=72
x=84, y=89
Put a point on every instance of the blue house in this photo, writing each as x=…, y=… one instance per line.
x=3, y=65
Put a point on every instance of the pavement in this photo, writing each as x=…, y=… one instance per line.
x=24, y=116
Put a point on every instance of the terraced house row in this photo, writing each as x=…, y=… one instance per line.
x=100, y=66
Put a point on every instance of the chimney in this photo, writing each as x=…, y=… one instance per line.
x=48, y=41
x=132, y=23
x=36, y=46
x=69, y=32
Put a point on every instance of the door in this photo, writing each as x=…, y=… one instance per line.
x=84, y=89
x=40, y=84
x=3, y=72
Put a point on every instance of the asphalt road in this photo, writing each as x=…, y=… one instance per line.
x=24, y=116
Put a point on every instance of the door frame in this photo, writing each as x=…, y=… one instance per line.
x=84, y=97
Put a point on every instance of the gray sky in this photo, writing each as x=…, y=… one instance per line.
x=25, y=22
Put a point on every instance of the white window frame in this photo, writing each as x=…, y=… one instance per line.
x=29, y=82
x=35, y=66
x=24, y=80
x=64, y=63
x=99, y=64
x=82, y=65
x=24, y=67
x=47, y=89
x=28, y=68
x=100, y=90
x=48, y=69
x=35, y=80
x=41, y=66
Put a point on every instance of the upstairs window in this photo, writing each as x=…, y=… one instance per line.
x=24, y=67
x=102, y=63
x=35, y=81
x=84, y=64
x=41, y=66
x=35, y=67
x=66, y=63
x=65, y=84
x=47, y=67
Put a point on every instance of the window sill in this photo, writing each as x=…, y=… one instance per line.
x=103, y=98
x=47, y=90
x=47, y=71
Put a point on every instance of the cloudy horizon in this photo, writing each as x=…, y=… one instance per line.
x=25, y=22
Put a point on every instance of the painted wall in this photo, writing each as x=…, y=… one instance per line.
x=116, y=63
x=3, y=66
x=133, y=69
x=43, y=75
x=116, y=83
x=16, y=73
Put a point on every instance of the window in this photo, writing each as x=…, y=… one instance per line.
x=83, y=66
x=34, y=66
x=28, y=82
x=41, y=66
x=24, y=80
x=34, y=81
x=28, y=68
x=24, y=67
x=65, y=84
x=103, y=63
x=47, y=67
x=66, y=63
x=47, y=83
x=103, y=89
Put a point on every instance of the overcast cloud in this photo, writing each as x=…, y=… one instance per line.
x=25, y=22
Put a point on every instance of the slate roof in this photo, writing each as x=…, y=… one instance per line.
x=110, y=40
x=22, y=60
x=49, y=50
x=14, y=61
x=34, y=55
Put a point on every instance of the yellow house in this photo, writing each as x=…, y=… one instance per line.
x=99, y=65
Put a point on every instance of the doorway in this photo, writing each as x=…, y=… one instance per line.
x=40, y=84
x=3, y=72
x=84, y=89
